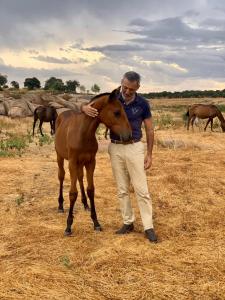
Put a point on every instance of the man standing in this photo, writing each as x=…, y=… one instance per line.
x=128, y=160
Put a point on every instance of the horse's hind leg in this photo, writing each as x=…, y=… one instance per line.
x=61, y=176
x=72, y=195
x=90, y=167
x=188, y=122
x=192, y=122
x=35, y=120
x=40, y=127
x=83, y=195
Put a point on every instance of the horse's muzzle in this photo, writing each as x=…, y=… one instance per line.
x=126, y=137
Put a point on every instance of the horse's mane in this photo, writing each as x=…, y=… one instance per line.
x=98, y=96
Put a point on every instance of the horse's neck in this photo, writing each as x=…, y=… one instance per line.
x=90, y=126
x=220, y=116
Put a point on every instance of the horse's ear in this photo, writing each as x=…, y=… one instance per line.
x=114, y=94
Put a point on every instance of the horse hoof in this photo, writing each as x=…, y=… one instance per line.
x=67, y=233
x=98, y=228
x=60, y=210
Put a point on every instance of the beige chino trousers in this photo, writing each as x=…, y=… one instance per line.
x=128, y=166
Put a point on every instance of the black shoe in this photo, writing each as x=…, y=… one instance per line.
x=125, y=229
x=150, y=233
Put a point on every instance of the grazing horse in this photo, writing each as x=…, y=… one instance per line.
x=45, y=114
x=75, y=141
x=205, y=111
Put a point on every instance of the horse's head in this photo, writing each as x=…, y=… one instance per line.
x=112, y=114
x=223, y=126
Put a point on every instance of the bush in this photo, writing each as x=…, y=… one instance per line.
x=164, y=121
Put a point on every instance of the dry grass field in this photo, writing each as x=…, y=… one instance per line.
x=187, y=186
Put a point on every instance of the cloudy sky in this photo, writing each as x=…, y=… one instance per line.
x=174, y=45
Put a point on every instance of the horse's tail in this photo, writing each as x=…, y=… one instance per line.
x=187, y=113
x=35, y=111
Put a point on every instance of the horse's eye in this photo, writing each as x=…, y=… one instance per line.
x=117, y=114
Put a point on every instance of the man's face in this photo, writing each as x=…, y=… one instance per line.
x=129, y=88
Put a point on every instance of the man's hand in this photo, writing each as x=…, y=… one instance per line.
x=89, y=110
x=148, y=161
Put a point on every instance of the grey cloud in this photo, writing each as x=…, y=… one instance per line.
x=31, y=51
x=116, y=48
x=53, y=60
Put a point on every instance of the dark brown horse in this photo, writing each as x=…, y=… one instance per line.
x=204, y=111
x=45, y=114
x=75, y=141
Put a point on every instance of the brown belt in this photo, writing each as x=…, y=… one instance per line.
x=124, y=143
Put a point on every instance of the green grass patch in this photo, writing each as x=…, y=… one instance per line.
x=20, y=199
x=13, y=145
x=45, y=140
x=65, y=261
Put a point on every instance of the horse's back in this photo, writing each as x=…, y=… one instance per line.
x=203, y=111
x=46, y=113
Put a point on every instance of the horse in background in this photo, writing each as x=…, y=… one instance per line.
x=76, y=142
x=45, y=114
x=204, y=111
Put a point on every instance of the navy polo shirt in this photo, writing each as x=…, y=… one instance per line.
x=136, y=111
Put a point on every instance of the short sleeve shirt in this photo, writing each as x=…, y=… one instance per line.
x=136, y=111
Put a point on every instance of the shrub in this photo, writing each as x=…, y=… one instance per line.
x=164, y=121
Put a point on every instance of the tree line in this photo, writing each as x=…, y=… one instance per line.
x=187, y=94
x=52, y=84
x=57, y=84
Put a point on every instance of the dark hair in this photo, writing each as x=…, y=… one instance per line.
x=132, y=76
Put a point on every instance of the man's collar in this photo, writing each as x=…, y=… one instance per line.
x=131, y=101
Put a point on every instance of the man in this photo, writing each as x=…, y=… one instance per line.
x=127, y=159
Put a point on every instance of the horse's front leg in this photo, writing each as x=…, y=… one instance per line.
x=207, y=124
x=90, y=167
x=211, y=124
x=52, y=124
x=72, y=195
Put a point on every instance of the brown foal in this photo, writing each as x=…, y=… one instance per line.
x=75, y=141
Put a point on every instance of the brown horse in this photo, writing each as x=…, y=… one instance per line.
x=45, y=114
x=205, y=111
x=75, y=141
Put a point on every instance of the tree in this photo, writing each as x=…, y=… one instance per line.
x=15, y=84
x=82, y=88
x=71, y=86
x=3, y=79
x=95, y=88
x=55, y=84
x=32, y=83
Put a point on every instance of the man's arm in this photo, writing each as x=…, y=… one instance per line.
x=149, y=130
x=89, y=110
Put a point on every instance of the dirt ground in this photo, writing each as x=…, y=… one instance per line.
x=187, y=187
